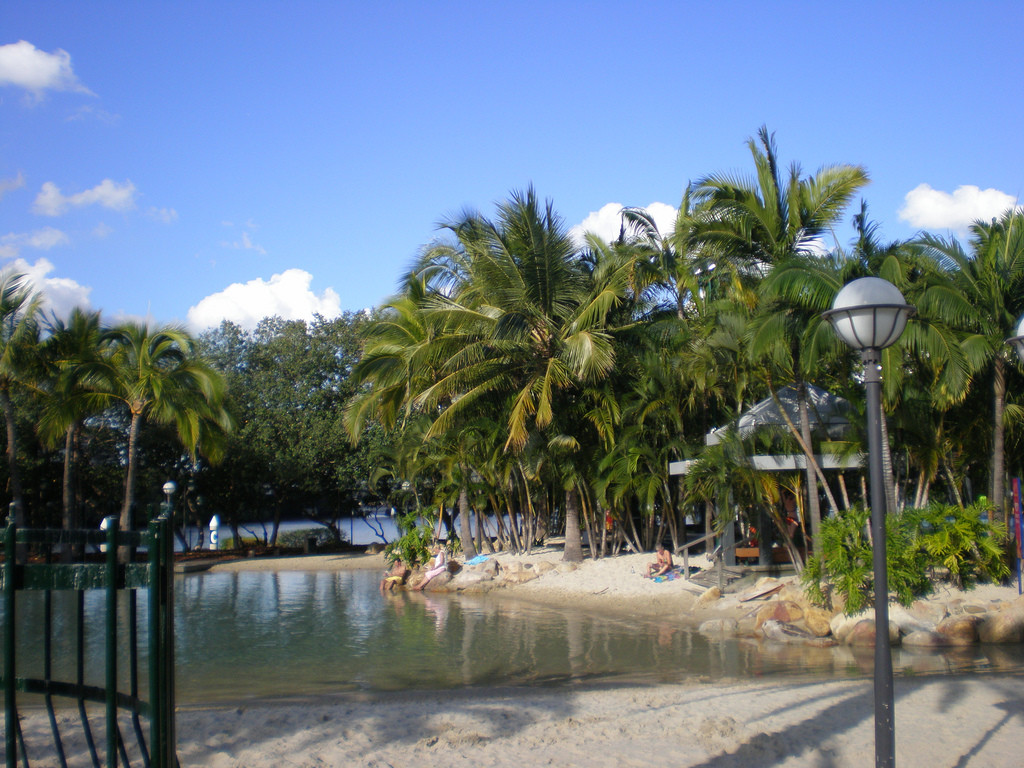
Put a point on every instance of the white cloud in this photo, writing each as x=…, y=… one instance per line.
x=60, y=294
x=109, y=194
x=929, y=208
x=165, y=215
x=41, y=239
x=25, y=66
x=286, y=295
x=9, y=185
x=606, y=222
x=245, y=244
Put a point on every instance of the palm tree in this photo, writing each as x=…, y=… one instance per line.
x=157, y=375
x=981, y=293
x=763, y=222
x=525, y=330
x=72, y=392
x=19, y=335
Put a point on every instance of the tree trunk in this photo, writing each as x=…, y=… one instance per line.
x=813, y=503
x=998, y=438
x=12, y=457
x=129, y=480
x=573, y=545
x=890, y=477
x=465, y=526
x=70, y=519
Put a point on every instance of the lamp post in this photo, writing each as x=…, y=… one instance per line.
x=869, y=314
x=169, y=488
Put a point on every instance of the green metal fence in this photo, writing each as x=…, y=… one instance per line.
x=120, y=712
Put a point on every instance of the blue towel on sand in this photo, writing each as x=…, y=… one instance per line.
x=477, y=560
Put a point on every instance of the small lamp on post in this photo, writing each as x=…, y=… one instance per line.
x=169, y=488
x=869, y=314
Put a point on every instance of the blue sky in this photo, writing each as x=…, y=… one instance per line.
x=189, y=162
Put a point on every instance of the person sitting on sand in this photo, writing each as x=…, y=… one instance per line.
x=662, y=565
x=395, y=577
x=440, y=566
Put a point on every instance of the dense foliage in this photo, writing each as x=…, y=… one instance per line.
x=939, y=542
x=546, y=382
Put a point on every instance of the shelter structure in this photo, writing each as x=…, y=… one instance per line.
x=826, y=412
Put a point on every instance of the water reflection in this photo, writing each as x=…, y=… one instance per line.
x=296, y=633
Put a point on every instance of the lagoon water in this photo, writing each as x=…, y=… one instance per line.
x=287, y=634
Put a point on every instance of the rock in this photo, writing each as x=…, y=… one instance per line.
x=472, y=580
x=927, y=612
x=544, y=566
x=908, y=622
x=439, y=583
x=490, y=567
x=924, y=638
x=818, y=622
x=788, y=633
x=719, y=627
x=747, y=626
x=1002, y=627
x=784, y=611
x=710, y=595
x=863, y=634
x=564, y=567
x=842, y=625
x=521, y=576
x=960, y=629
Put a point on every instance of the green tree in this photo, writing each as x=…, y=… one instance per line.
x=19, y=336
x=980, y=293
x=157, y=376
x=762, y=222
x=72, y=392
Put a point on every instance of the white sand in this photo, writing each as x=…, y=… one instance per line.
x=940, y=721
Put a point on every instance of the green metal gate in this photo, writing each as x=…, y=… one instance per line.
x=126, y=735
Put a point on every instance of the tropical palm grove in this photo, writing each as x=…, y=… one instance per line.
x=548, y=384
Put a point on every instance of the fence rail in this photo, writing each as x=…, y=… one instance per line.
x=40, y=573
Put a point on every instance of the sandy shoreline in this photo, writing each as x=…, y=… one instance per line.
x=940, y=721
x=953, y=721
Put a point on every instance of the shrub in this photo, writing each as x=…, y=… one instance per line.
x=940, y=539
x=963, y=542
x=413, y=546
x=847, y=561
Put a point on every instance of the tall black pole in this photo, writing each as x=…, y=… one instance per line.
x=885, y=746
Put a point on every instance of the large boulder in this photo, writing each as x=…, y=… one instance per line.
x=925, y=638
x=960, y=629
x=782, y=632
x=928, y=613
x=437, y=584
x=1006, y=626
x=785, y=611
x=863, y=634
x=818, y=621
x=469, y=580
x=719, y=627
x=710, y=595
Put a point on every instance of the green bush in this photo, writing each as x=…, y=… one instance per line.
x=413, y=546
x=847, y=561
x=964, y=542
x=921, y=544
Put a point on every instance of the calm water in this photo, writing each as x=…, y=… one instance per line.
x=294, y=634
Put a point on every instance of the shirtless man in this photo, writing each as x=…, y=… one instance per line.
x=662, y=565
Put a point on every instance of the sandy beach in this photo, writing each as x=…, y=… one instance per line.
x=941, y=721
